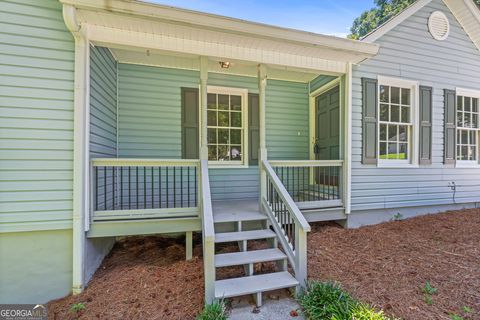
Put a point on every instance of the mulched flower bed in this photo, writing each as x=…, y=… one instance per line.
x=385, y=265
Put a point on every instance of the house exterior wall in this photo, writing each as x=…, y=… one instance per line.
x=103, y=103
x=150, y=121
x=36, y=152
x=409, y=51
x=103, y=138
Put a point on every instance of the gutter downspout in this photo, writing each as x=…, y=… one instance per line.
x=81, y=145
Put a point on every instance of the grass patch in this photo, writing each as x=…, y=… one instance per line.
x=328, y=301
x=214, y=311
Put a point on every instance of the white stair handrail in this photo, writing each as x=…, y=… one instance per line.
x=287, y=199
x=296, y=254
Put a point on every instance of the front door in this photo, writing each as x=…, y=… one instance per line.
x=327, y=110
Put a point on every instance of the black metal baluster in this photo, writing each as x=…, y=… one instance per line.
x=152, y=187
x=167, y=187
x=113, y=190
x=181, y=187
x=174, y=188
x=160, y=187
x=96, y=188
x=144, y=187
x=136, y=184
x=195, y=185
x=129, y=188
x=121, y=188
x=105, y=187
x=188, y=186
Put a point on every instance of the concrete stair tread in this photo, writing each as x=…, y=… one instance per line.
x=238, y=216
x=246, y=257
x=254, y=284
x=244, y=235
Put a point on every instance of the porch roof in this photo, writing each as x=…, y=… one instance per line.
x=125, y=24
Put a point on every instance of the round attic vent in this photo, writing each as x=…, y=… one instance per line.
x=438, y=25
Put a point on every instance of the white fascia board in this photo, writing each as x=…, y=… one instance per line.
x=395, y=21
x=468, y=15
x=116, y=37
x=211, y=21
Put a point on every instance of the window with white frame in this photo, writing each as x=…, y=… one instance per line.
x=396, y=121
x=226, y=125
x=467, y=127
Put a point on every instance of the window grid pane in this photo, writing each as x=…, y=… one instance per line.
x=224, y=127
x=394, y=123
x=467, y=128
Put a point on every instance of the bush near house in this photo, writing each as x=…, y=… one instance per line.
x=214, y=311
x=328, y=301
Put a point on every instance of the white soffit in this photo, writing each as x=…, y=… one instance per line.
x=137, y=24
x=468, y=14
x=191, y=62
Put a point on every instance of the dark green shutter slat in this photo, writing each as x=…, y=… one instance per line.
x=253, y=128
x=190, y=129
x=450, y=126
x=369, y=117
x=425, y=125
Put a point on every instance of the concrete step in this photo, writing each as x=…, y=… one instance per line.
x=238, y=216
x=247, y=257
x=244, y=235
x=254, y=284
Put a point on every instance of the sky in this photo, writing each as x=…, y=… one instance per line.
x=333, y=17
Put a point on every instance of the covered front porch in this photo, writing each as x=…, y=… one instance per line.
x=179, y=110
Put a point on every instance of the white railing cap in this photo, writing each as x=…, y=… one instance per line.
x=132, y=162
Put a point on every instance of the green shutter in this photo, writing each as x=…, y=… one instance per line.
x=253, y=128
x=369, y=117
x=190, y=113
x=425, y=125
x=450, y=126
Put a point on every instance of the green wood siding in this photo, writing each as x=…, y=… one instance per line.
x=150, y=120
x=287, y=120
x=319, y=82
x=36, y=116
x=149, y=115
x=103, y=103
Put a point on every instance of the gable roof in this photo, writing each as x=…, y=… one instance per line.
x=465, y=11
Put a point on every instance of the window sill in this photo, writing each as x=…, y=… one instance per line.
x=395, y=164
x=466, y=164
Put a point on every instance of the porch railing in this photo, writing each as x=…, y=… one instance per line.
x=287, y=220
x=312, y=183
x=208, y=233
x=139, y=188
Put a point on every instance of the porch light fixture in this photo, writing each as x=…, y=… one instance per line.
x=224, y=64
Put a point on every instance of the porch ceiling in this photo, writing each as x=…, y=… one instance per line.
x=192, y=62
x=127, y=24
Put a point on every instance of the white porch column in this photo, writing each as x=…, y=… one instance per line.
x=203, y=107
x=262, y=152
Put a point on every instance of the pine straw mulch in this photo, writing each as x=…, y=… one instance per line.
x=387, y=265
x=148, y=278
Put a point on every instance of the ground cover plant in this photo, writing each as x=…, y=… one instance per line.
x=328, y=301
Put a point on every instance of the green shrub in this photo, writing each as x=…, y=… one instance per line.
x=328, y=301
x=214, y=311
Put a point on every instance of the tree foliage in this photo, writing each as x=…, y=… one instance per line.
x=375, y=17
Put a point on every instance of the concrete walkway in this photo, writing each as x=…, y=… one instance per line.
x=276, y=306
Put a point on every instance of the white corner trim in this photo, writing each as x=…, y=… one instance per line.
x=395, y=21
